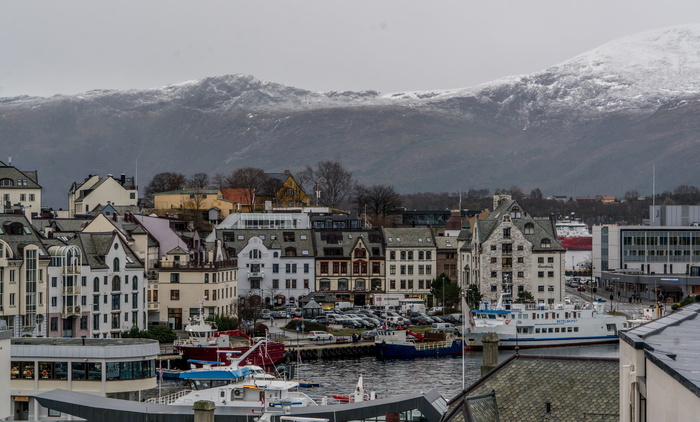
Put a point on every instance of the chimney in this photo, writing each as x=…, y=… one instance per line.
x=490, y=352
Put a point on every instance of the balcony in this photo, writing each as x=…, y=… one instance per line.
x=71, y=290
x=254, y=275
x=152, y=275
x=67, y=311
x=72, y=270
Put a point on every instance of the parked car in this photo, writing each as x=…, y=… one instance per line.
x=320, y=320
x=319, y=336
x=435, y=310
x=368, y=335
x=351, y=323
x=278, y=314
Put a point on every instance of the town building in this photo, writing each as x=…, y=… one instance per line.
x=201, y=200
x=649, y=262
x=511, y=252
x=114, y=368
x=24, y=262
x=411, y=258
x=281, y=190
x=658, y=368
x=350, y=265
x=275, y=267
x=19, y=189
x=96, y=287
x=96, y=191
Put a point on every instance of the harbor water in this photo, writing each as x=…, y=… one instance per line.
x=393, y=377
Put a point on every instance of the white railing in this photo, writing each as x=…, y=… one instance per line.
x=170, y=398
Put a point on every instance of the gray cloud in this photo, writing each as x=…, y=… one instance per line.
x=73, y=46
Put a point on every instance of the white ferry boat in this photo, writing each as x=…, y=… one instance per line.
x=544, y=326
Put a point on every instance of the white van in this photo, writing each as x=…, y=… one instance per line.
x=443, y=326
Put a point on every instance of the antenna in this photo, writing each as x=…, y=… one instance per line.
x=653, y=194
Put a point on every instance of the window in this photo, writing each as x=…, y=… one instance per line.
x=116, y=283
x=550, y=273
x=403, y=270
x=115, y=264
x=493, y=287
x=84, y=322
x=428, y=269
x=96, y=284
x=392, y=284
x=550, y=259
x=493, y=247
x=410, y=269
x=550, y=288
x=174, y=277
x=376, y=268
x=174, y=295
x=546, y=243
x=392, y=269
x=54, y=323
x=134, y=300
x=54, y=301
x=540, y=260
x=306, y=268
x=324, y=268
x=521, y=274
x=494, y=274
x=116, y=304
x=540, y=274
x=428, y=255
x=506, y=233
x=275, y=268
x=12, y=299
x=410, y=254
x=494, y=260
x=540, y=288
x=275, y=284
x=392, y=255
x=529, y=228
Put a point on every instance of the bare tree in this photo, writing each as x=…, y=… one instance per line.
x=198, y=181
x=218, y=181
x=330, y=178
x=253, y=180
x=376, y=201
x=164, y=182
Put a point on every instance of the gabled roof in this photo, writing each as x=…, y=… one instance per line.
x=542, y=227
x=239, y=196
x=24, y=237
x=575, y=387
x=10, y=172
x=273, y=239
x=326, y=241
x=672, y=343
x=409, y=237
x=96, y=246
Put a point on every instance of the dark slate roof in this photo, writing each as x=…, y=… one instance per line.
x=409, y=237
x=346, y=240
x=11, y=172
x=231, y=239
x=543, y=227
x=673, y=344
x=17, y=242
x=95, y=247
x=577, y=388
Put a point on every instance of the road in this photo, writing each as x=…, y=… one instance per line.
x=629, y=309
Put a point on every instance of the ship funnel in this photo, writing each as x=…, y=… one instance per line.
x=599, y=306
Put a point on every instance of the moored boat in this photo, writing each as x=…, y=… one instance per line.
x=206, y=343
x=396, y=344
x=544, y=326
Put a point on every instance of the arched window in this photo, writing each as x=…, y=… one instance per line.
x=275, y=254
x=420, y=254
x=115, y=265
x=254, y=254
x=290, y=251
x=546, y=243
x=392, y=255
x=116, y=283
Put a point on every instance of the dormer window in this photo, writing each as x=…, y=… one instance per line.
x=7, y=182
x=529, y=228
x=546, y=243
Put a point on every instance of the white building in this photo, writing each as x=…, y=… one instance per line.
x=114, y=368
x=23, y=270
x=275, y=267
x=19, y=189
x=84, y=196
x=411, y=257
x=658, y=369
x=96, y=287
x=510, y=252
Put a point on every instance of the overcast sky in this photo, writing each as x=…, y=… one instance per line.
x=71, y=46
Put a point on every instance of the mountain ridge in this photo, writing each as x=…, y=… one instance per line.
x=565, y=129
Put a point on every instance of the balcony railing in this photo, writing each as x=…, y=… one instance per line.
x=67, y=311
x=71, y=290
x=252, y=274
x=194, y=266
x=72, y=270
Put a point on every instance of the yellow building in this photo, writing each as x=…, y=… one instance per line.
x=195, y=199
x=282, y=191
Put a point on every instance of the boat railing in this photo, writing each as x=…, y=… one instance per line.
x=433, y=345
x=170, y=398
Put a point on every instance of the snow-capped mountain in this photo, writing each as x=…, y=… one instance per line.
x=593, y=124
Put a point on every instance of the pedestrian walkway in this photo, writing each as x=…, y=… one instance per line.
x=624, y=306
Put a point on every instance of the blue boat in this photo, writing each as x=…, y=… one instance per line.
x=396, y=344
